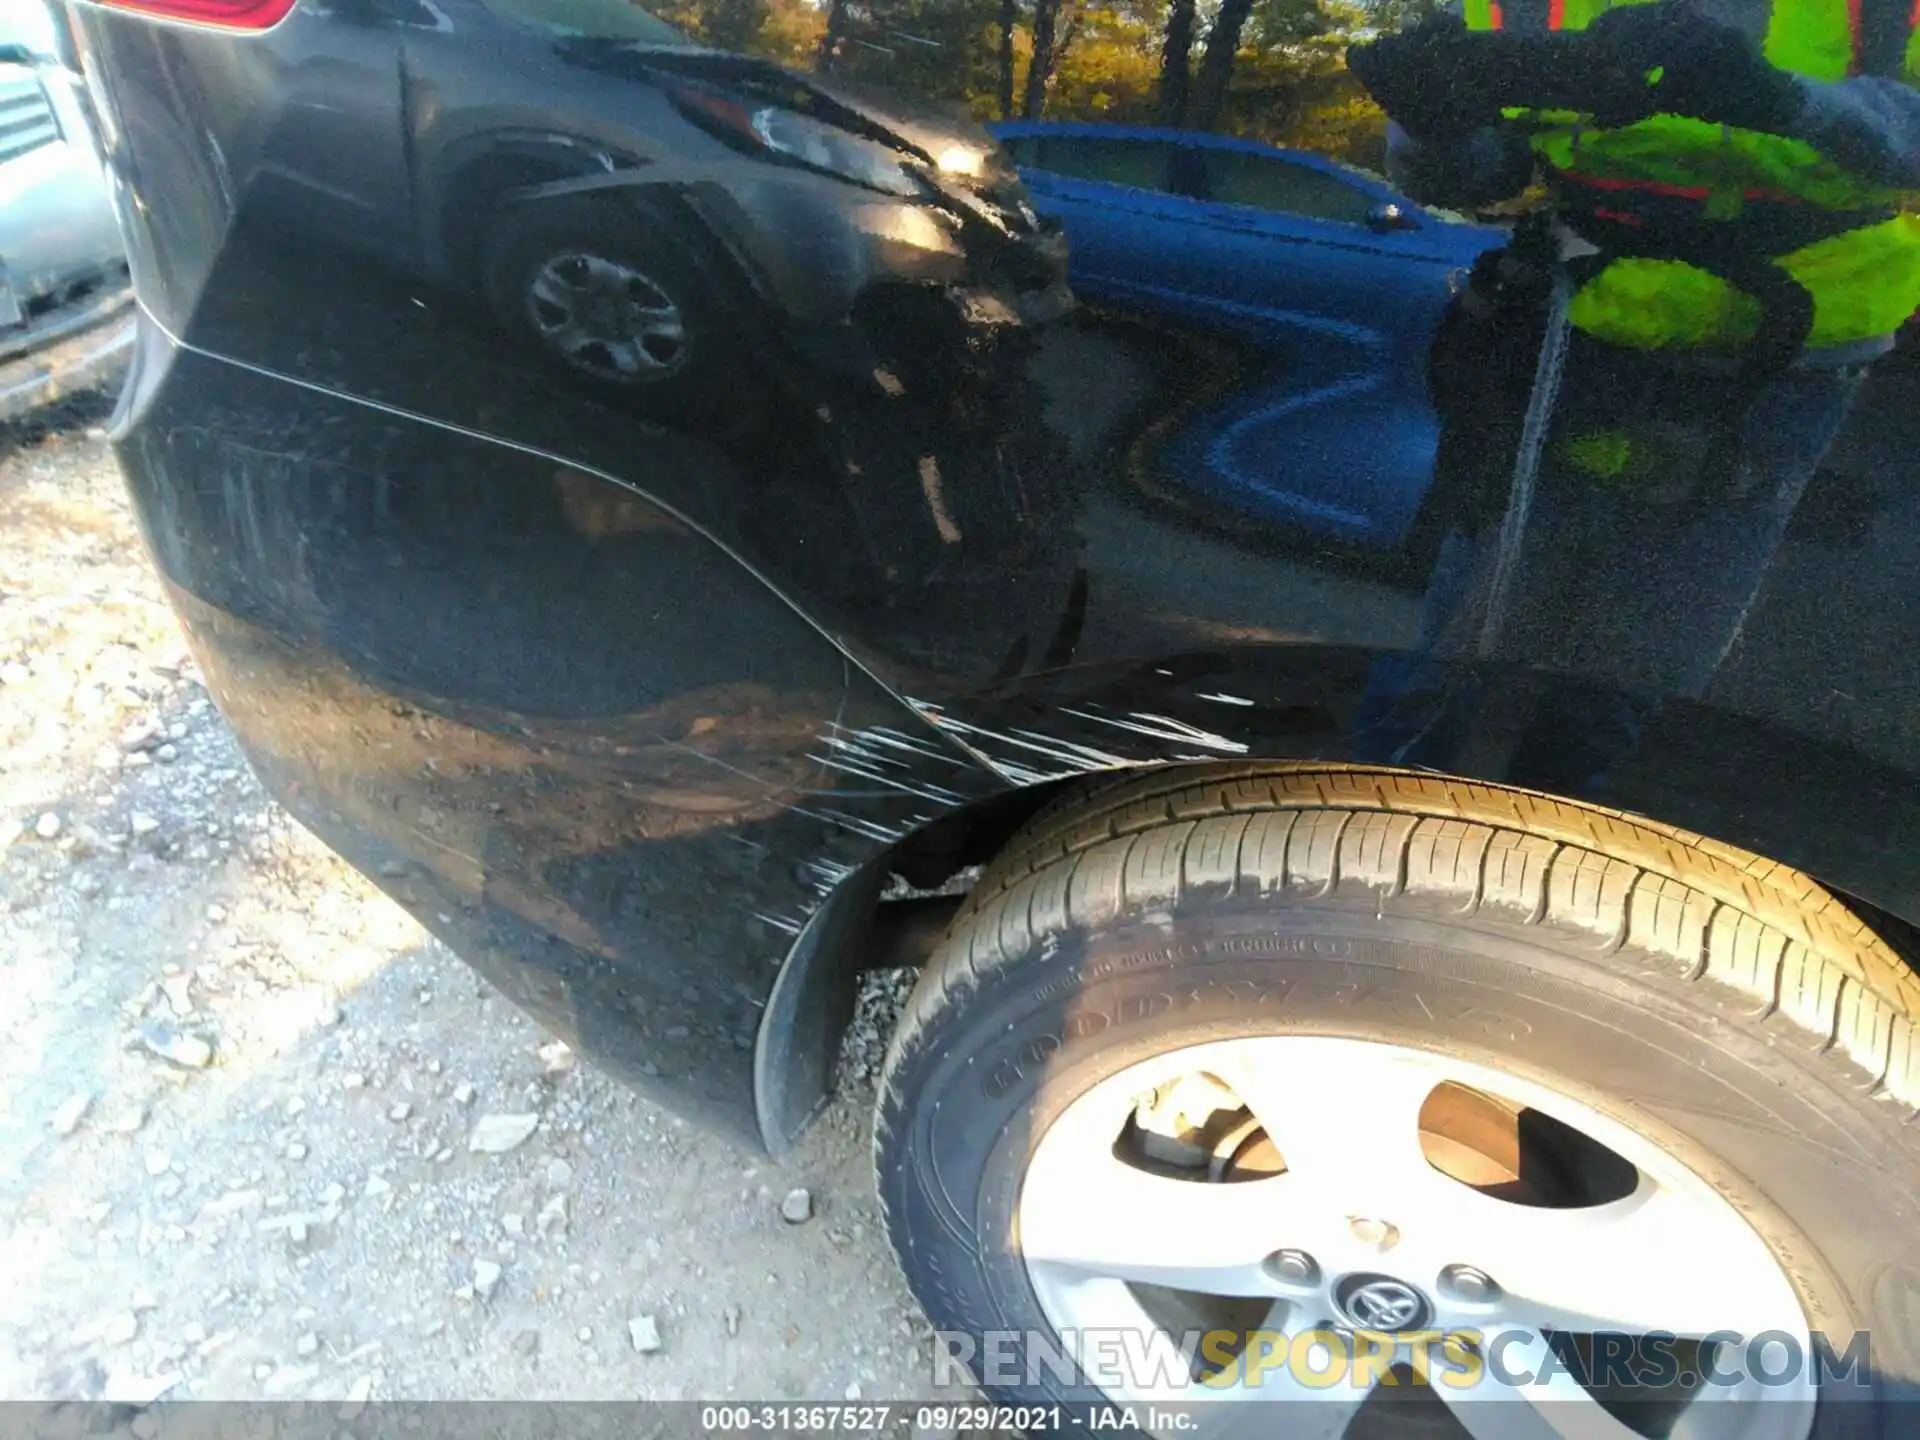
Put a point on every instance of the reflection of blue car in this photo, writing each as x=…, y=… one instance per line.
x=1341, y=281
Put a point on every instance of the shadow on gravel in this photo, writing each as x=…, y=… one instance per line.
x=70, y=413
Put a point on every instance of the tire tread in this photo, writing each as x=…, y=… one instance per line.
x=1768, y=940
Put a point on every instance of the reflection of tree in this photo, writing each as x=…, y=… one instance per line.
x=1216, y=68
x=1176, y=62
x=1009, y=25
x=1050, y=45
x=833, y=34
x=790, y=31
x=1272, y=69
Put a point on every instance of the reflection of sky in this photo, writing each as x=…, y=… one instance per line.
x=29, y=23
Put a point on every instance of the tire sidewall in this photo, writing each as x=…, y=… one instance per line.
x=1755, y=1111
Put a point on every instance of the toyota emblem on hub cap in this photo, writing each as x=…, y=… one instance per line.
x=1379, y=1302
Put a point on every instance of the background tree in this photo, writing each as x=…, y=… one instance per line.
x=733, y=24
x=1272, y=70
x=1046, y=20
x=1176, y=62
x=832, y=34
x=789, y=31
x=1216, y=65
x=1009, y=20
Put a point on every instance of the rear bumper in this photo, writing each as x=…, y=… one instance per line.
x=68, y=354
x=581, y=742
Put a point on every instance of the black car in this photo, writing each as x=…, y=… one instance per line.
x=657, y=511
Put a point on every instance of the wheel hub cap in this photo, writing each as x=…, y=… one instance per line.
x=607, y=319
x=1382, y=1303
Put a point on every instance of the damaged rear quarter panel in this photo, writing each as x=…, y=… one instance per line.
x=580, y=742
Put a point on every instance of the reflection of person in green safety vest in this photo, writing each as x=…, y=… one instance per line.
x=1734, y=224
x=1789, y=130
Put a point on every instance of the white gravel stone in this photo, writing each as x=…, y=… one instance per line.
x=142, y=823
x=797, y=1207
x=497, y=1134
x=140, y=734
x=645, y=1333
x=72, y=1111
x=47, y=826
x=179, y=992
x=486, y=1276
x=307, y=1344
x=401, y=1110
x=358, y=1394
x=463, y=1093
x=189, y=1051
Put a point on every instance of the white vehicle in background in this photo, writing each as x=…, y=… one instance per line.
x=66, y=307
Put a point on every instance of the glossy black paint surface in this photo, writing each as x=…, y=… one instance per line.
x=613, y=688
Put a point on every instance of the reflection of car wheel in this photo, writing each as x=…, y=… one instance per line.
x=1241, y=1057
x=608, y=291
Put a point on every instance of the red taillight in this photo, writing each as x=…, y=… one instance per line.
x=227, y=14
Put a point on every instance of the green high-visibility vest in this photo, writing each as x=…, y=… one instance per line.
x=1865, y=281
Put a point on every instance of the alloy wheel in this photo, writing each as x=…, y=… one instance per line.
x=1295, y=1186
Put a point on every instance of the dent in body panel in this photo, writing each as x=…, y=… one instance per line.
x=577, y=740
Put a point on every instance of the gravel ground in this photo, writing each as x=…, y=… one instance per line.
x=240, y=1089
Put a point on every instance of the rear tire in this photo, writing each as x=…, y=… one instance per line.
x=1722, y=1012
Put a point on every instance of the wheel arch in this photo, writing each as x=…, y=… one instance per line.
x=1822, y=817
x=484, y=172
